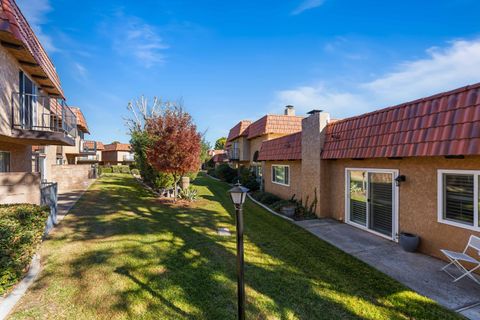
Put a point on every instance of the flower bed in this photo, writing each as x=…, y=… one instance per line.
x=291, y=208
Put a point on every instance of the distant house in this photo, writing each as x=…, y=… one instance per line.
x=246, y=137
x=92, y=152
x=117, y=153
x=219, y=157
x=414, y=167
x=70, y=154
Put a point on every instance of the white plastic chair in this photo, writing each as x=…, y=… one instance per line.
x=456, y=258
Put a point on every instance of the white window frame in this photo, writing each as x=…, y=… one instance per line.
x=272, y=174
x=440, y=219
x=395, y=202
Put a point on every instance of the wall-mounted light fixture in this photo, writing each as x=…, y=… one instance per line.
x=400, y=178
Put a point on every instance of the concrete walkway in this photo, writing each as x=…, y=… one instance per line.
x=67, y=200
x=417, y=271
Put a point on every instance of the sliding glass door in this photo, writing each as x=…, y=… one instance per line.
x=371, y=200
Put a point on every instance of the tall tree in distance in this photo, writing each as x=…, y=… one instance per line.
x=175, y=144
x=220, y=143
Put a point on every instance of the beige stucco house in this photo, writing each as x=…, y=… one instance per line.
x=245, y=138
x=92, y=152
x=414, y=168
x=117, y=154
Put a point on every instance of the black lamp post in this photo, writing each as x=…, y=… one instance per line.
x=238, y=195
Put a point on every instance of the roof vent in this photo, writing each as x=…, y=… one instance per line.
x=314, y=111
x=289, y=110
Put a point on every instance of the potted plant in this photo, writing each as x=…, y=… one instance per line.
x=288, y=210
x=409, y=242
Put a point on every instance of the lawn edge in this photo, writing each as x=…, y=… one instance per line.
x=8, y=303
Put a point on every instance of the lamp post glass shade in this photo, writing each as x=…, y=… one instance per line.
x=238, y=194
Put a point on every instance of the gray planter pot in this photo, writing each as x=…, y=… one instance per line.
x=409, y=242
x=288, y=211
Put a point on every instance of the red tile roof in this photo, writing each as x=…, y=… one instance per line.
x=220, y=157
x=240, y=129
x=81, y=122
x=16, y=29
x=91, y=145
x=443, y=124
x=275, y=124
x=281, y=149
x=117, y=147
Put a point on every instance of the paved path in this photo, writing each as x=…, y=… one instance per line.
x=417, y=271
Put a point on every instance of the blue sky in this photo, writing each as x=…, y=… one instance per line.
x=233, y=60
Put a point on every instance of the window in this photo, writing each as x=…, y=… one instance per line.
x=4, y=161
x=458, y=198
x=28, y=102
x=281, y=174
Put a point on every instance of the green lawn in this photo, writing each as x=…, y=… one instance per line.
x=123, y=254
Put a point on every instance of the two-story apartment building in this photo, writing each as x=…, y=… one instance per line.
x=245, y=139
x=33, y=111
x=70, y=154
x=117, y=154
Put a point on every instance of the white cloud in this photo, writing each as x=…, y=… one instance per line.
x=307, y=5
x=140, y=40
x=36, y=14
x=80, y=72
x=454, y=66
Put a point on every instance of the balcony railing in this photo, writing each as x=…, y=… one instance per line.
x=234, y=153
x=88, y=158
x=42, y=113
x=129, y=157
x=88, y=148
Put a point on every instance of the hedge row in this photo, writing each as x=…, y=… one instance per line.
x=114, y=169
x=21, y=230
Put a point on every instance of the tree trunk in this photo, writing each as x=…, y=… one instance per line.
x=175, y=179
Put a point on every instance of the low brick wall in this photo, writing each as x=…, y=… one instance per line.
x=19, y=187
x=71, y=177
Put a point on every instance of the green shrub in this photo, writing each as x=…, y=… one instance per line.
x=268, y=198
x=226, y=173
x=248, y=179
x=256, y=194
x=164, y=180
x=21, y=229
x=135, y=172
x=192, y=175
x=189, y=194
x=103, y=170
x=124, y=169
x=115, y=169
x=211, y=172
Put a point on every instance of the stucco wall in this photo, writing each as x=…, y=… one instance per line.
x=71, y=177
x=417, y=197
x=284, y=192
x=19, y=187
x=9, y=83
x=20, y=156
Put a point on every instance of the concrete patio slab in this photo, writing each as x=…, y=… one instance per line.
x=417, y=271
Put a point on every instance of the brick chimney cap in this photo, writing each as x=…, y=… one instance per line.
x=314, y=111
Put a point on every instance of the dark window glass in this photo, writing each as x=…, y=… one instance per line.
x=458, y=198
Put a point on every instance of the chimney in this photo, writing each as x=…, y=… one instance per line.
x=289, y=110
x=313, y=168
